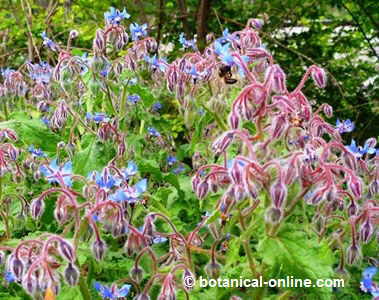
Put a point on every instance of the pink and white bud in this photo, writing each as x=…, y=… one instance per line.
x=202, y=189
x=234, y=120
x=278, y=194
x=67, y=251
x=37, y=208
x=98, y=249
x=366, y=231
x=328, y=110
x=319, y=76
x=355, y=186
x=279, y=80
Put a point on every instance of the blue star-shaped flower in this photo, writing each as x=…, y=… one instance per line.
x=130, y=194
x=138, y=31
x=345, y=126
x=114, y=16
x=130, y=170
x=36, y=151
x=134, y=99
x=58, y=174
x=359, y=151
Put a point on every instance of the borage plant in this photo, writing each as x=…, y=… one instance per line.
x=103, y=164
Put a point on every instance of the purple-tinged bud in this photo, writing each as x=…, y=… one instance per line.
x=67, y=250
x=74, y=34
x=278, y=194
x=136, y=273
x=236, y=173
x=234, y=120
x=352, y=210
x=374, y=187
x=16, y=267
x=355, y=186
x=188, y=280
x=274, y=215
x=121, y=148
x=279, y=125
x=30, y=284
x=119, y=228
x=37, y=207
x=213, y=269
x=142, y=297
x=37, y=175
x=279, y=80
x=319, y=76
x=60, y=214
x=328, y=110
x=371, y=142
x=99, y=41
x=220, y=145
x=71, y=274
x=202, y=189
x=195, y=182
x=353, y=254
x=98, y=249
x=366, y=231
x=13, y=152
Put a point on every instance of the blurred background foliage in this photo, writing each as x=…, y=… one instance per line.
x=340, y=35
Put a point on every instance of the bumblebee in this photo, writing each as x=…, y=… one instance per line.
x=226, y=73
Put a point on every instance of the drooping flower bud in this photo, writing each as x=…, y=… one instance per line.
x=328, y=110
x=213, y=269
x=274, y=215
x=279, y=80
x=355, y=186
x=234, y=120
x=366, y=231
x=319, y=76
x=202, y=189
x=353, y=254
x=67, y=250
x=278, y=194
x=37, y=208
x=16, y=267
x=71, y=274
x=136, y=273
x=30, y=283
x=98, y=249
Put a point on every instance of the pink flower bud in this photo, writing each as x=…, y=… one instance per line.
x=67, y=250
x=37, y=208
x=366, y=231
x=195, y=182
x=355, y=186
x=278, y=194
x=319, y=76
x=234, y=120
x=202, y=189
x=279, y=80
x=352, y=209
x=328, y=110
x=98, y=249
x=30, y=283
